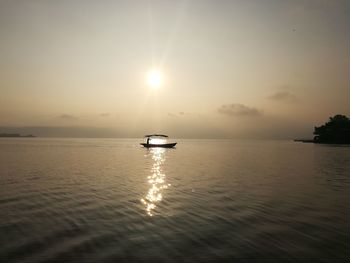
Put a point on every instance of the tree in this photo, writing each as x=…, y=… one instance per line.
x=336, y=130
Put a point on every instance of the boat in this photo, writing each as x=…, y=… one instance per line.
x=157, y=141
x=165, y=145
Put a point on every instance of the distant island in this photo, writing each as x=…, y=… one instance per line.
x=335, y=131
x=16, y=135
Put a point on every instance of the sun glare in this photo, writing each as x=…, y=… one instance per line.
x=154, y=78
x=157, y=141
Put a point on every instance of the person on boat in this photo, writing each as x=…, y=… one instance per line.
x=148, y=141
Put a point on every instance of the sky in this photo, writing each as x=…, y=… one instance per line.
x=231, y=69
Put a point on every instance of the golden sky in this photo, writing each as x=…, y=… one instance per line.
x=229, y=69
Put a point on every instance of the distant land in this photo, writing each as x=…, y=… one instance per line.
x=16, y=135
x=335, y=131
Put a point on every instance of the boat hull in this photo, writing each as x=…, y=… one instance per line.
x=166, y=145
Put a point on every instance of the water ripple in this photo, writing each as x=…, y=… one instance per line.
x=210, y=201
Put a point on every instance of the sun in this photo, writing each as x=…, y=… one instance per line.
x=155, y=78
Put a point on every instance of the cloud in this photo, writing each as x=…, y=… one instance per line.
x=68, y=117
x=239, y=110
x=183, y=114
x=283, y=96
x=172, y=115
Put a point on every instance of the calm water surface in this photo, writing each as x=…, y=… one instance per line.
x=109, y=200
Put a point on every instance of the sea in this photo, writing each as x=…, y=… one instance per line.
x=110, y=200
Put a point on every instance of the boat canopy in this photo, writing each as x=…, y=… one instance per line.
x=157, y=135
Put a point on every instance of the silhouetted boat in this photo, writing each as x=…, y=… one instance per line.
x=159, y=145
x=165, y=145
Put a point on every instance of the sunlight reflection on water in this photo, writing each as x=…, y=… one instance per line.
x=78, y=200
x=157, y=181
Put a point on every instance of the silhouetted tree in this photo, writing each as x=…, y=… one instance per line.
x=336, y=130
